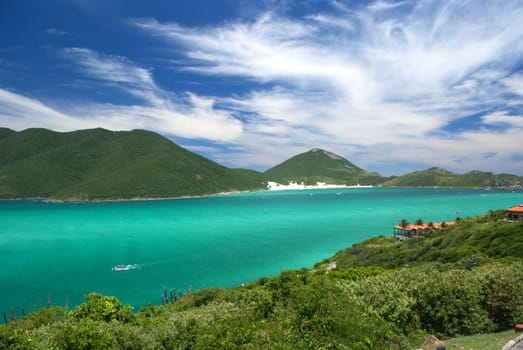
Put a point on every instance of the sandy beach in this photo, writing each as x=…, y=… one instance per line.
x=274, y=186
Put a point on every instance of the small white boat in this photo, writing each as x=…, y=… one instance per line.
x=124, y=267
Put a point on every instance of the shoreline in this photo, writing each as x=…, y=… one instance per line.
x=275, y=187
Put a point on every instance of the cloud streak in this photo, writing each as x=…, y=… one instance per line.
x=379, y=83
x=185, y=116
x=366, y=77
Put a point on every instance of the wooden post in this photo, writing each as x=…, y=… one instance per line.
x=165, y=295
x=23, y=312
x=5, y=316
x=171, y=294
x=13, y=315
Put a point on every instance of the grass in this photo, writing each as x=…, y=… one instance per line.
x=489, y=341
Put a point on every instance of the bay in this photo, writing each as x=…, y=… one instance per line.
x=67, y=250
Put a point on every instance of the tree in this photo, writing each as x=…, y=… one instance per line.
x=404, y=223
x=103, y=308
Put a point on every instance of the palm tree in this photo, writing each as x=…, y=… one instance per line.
x=419, y=222
x=404, y=223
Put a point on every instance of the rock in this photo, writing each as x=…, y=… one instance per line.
x=432, y=340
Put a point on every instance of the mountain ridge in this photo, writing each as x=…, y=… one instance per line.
x=98, y=164
x=318, y=165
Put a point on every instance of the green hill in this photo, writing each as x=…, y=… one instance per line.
x=319, y=165
x=483, y=237
x=440, y=177
x=353, y=306
x=101, y=164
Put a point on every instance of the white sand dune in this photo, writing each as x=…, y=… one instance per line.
x=274, y=186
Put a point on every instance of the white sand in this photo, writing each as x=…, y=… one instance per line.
x=274, y=186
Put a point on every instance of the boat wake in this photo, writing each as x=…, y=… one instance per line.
x=125, y=267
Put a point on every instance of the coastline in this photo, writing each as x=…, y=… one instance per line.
x=274, y=186
x=134, y=199
x=271, y=186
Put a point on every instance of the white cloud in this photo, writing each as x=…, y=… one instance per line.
x=21, y=112
x=376, y=83
x=116, y=70
x=502, y=117
x=54, y=31
x=381, y=5
x=198, y=119
x=515, y=83
x=364, y=78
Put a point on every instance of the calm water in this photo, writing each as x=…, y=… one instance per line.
x=69, y=249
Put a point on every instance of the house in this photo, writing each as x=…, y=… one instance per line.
x=404, y=232
x=515, y=213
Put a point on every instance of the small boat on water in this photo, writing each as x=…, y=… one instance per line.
x=121, y=267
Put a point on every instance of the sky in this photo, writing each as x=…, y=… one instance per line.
x=392, y=86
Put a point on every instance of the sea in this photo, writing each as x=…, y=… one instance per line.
x=58, y=252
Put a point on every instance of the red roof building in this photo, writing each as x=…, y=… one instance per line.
x=404, y=232
x=515, y=213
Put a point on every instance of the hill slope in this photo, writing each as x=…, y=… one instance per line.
x=101, y=164
x=441, y=177
x=319, y=165
x=488, y=235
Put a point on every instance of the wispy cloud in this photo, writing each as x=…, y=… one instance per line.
x=381, y=78
x=54, y=31
x=379, y=82
x=503, y=117
x=187, y=115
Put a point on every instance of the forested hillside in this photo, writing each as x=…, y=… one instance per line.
x=318, y=165
x=102, y=164
x=441, y=177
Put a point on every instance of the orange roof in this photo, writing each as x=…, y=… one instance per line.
x=436, y=225
x=517, y=209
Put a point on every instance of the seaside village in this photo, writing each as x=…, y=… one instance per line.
x=404, y=230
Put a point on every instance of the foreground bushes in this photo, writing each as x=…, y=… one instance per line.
x=446, y=301
x=350, y=309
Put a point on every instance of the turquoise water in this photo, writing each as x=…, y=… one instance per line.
x=68, y=249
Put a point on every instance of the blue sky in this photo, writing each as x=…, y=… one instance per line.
x=393, y=86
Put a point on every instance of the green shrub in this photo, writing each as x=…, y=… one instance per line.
x=85, y=334
x=103, y=308
x=503, y=294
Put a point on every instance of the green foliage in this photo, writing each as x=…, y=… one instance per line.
x=354, y=273
x=102, y=308
x=503, y=297
x=440, y=177
x=13, y=337
x=100, y=164
x=43, y=317
x=85, y=334
x=318, y=165
x=488, y=236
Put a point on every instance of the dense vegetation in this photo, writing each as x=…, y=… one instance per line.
x=318, y=165
x=471, y=284
x=472, y=239
x=100, y=164
x=440, y=177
